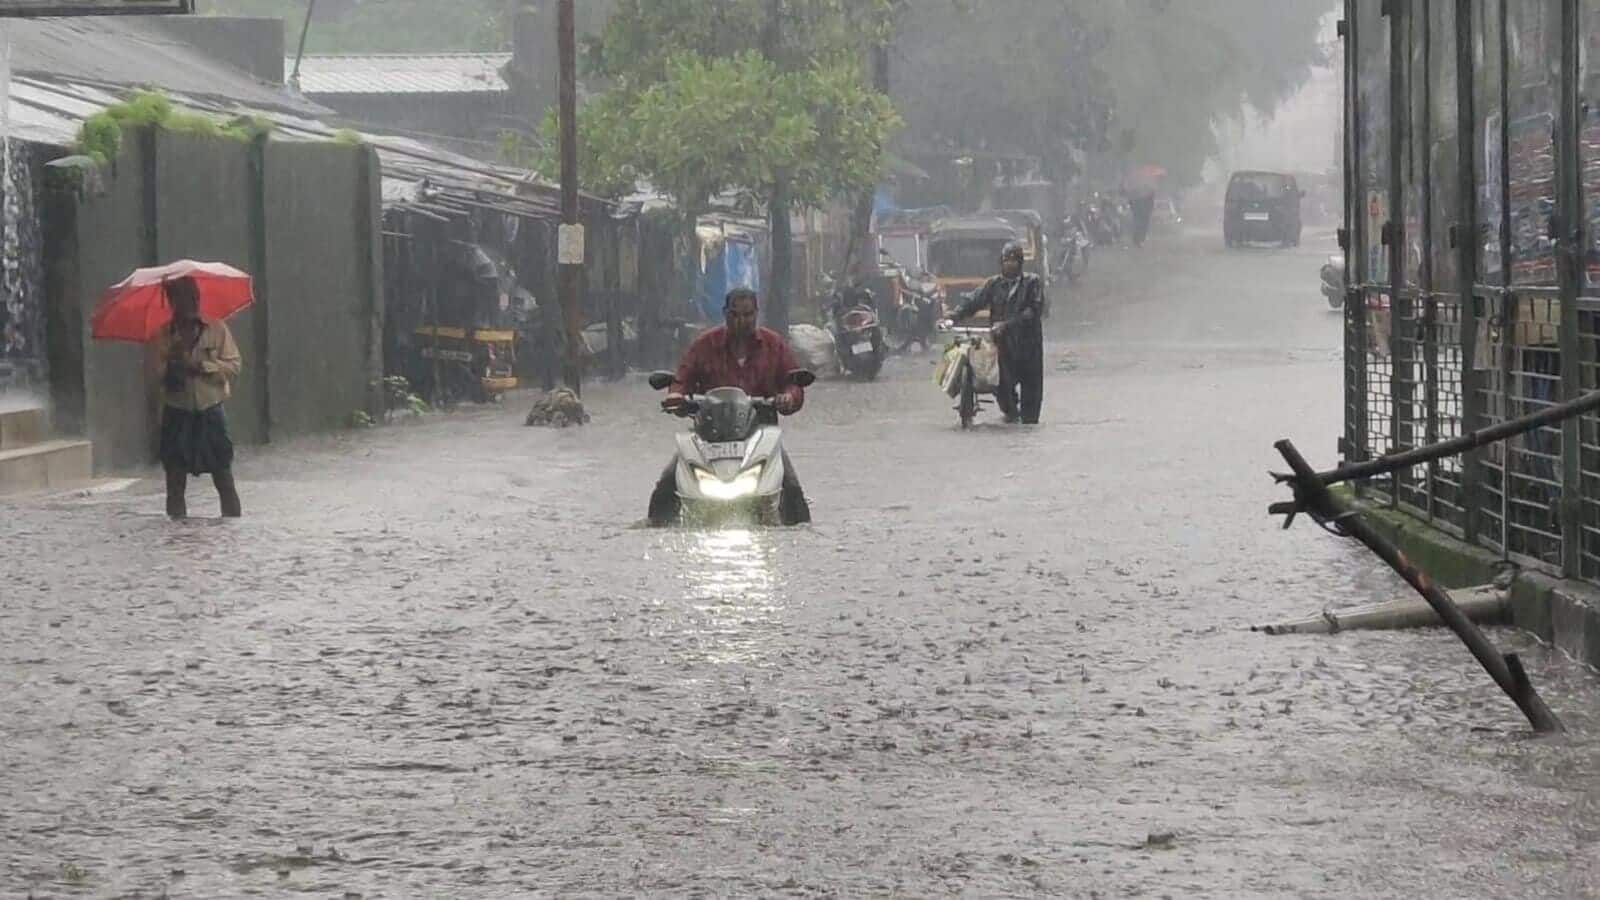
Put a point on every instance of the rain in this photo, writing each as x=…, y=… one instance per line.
x=468, y=276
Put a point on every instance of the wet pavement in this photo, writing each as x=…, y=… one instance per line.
x=441, y=660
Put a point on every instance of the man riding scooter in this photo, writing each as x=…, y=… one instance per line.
x=1015, y=300
x=744, y=355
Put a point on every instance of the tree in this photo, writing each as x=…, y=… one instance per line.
x=762, y=95
x=1060, y=79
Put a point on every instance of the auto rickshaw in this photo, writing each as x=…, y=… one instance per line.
x=465, y=347
x=963, y=253
x=900, y=238
x=1030, y=232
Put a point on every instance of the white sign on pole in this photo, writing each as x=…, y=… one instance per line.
x=569, y=245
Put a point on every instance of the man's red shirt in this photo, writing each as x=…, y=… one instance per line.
x=710, y=362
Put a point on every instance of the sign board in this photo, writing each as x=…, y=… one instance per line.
x=42, y=8
x=569, y=245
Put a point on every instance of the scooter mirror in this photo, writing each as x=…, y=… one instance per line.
x=660, y=381
x=803, y=378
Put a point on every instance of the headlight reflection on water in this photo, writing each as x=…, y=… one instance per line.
x=731, y=581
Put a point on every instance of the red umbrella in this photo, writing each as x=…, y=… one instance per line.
x=1146, y=177
x=137, y=309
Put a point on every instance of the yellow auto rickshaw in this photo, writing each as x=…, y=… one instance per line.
x=963, y=253
x=465, y=346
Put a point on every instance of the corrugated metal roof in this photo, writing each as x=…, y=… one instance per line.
x=400, y=73
x=135, y=52
x=415, y=173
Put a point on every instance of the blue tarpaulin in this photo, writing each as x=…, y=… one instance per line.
x=734, y=265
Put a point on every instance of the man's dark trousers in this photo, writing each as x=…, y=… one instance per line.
x=1021, y=372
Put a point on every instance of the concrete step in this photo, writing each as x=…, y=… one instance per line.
x=46, y=465
x=22, y=427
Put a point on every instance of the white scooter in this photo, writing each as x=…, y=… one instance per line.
x=731, y=464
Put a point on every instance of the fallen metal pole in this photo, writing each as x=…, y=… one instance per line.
x=1485, y=604
x=1508, y=429
x=1312, y=496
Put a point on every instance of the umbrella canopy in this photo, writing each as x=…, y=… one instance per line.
x=1146, y=178
x=137, y=309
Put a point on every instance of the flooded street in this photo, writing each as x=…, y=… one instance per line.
x=442, y=659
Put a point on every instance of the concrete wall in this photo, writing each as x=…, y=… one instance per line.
x=254, y=45
x=221, y=232
x=322, y=220
x=301, y=218
x=112, y=240
x=1565, y=614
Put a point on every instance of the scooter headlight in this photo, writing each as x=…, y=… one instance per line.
x=746, y=485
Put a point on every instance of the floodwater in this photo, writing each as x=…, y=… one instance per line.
x=440, y=659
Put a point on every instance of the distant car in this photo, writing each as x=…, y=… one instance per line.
x=1262, y=207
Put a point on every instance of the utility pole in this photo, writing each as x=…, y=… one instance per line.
x=300, y=54
x=778, y=204
x=571, y=243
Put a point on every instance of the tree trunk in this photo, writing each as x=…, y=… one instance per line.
x=782, y=258
x=777, y=301
x=689, y=261
x=861, y=257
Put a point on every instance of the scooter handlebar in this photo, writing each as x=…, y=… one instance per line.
x=690, y=404
x=967, y=330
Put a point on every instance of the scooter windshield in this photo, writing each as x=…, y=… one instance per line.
x=726, y=415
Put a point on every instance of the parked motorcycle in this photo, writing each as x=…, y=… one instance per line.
x=730, y=465
x=858, y=335
x=918, y=316
x=1075, y=246
x=1101, y=221
x=1333, y=282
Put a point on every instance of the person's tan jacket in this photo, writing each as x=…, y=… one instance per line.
x=215, y=354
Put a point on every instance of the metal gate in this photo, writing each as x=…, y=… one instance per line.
x=1472, y=176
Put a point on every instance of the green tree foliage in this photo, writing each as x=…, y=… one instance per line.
x=642, y=35
x=1144, y=79
x=713, y=124
x=695, y=108
x=768, y=96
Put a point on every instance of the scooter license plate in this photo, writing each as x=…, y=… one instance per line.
x=730, y=450
x=862, y=348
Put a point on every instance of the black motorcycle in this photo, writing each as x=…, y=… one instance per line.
x=1075, y=246
x=1101, y=222
x=917, y=319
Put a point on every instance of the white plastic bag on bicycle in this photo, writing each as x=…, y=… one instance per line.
x=983, y=356
x=985, y=359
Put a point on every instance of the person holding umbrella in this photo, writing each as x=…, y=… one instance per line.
x=197, y=360
x=176, y=312
x=1140, y=187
